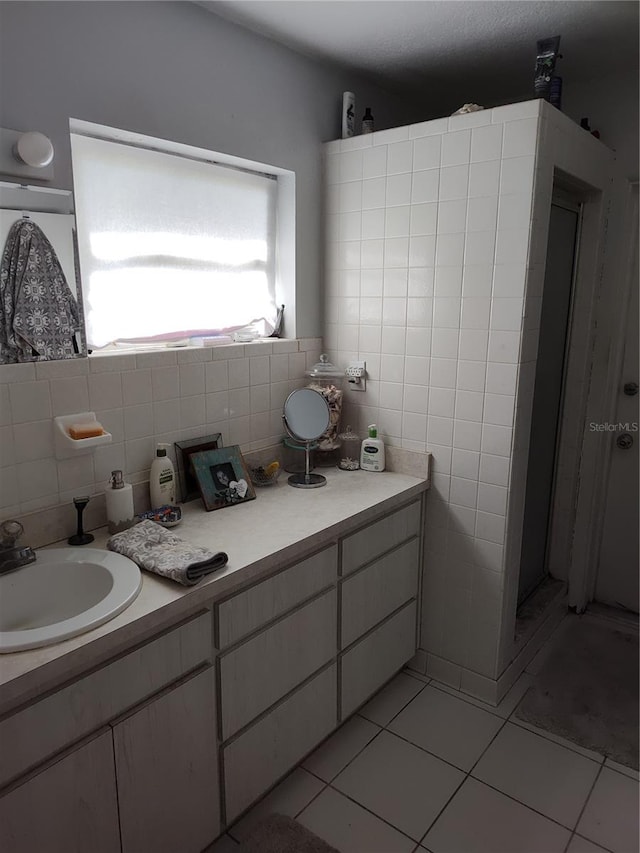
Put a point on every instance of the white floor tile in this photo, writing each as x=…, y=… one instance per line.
x=288, y=798
x=448, y=727
x=541, y=774
x=582, y=845
x=611, y=815
x=622, y=768
x=392, y=699
x=224, y=844
x=343, y=746
x=350, y=828
x=481, y=820
x=399, y=782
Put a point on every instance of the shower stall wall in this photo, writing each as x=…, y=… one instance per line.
x=436, y=246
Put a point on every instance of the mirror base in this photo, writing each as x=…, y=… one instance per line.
x=307, y=481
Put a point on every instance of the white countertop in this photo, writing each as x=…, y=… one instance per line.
x=280, y=526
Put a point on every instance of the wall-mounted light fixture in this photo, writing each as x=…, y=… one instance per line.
x=26, y=155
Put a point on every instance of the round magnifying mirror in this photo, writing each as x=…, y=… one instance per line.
x=306, y=418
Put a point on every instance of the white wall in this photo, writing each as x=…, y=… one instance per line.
x=176, y=71
x=610, y=103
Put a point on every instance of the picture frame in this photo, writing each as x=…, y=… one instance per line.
x=189, y=489
x=222, y=477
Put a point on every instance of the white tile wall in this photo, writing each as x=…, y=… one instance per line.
x=141, y=399
x=447, y=323
x=471, y=257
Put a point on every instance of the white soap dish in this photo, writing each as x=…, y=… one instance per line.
x=67, y=447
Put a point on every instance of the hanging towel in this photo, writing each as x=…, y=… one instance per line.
x=39, y=315
x=157, y=550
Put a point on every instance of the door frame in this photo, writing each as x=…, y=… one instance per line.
x=604, y=373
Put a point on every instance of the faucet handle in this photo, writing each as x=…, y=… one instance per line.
x=11, y=530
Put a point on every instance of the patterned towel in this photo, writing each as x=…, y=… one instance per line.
x=39, y=315
x=157, y=550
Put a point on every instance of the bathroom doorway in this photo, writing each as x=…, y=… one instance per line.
x=549, y=391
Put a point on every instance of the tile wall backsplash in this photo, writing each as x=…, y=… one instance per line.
x=140, y=399
x=431, y=241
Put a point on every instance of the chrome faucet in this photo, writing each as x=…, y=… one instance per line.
x=13, y=556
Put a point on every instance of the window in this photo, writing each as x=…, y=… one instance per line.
x=171, y=244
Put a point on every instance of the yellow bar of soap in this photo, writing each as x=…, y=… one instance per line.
x=79, y=431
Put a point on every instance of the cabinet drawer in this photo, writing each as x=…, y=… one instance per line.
x=259, y=672
x=381, y=536
x=379, y=589
x=249, y=610
x=259, y=757
x=372, y=662
x=42, y=729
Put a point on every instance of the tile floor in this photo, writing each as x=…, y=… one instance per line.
x=421, y=767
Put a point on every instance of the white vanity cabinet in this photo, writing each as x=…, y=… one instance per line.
x=69, y=806
x=123, y=759
x=175, y=736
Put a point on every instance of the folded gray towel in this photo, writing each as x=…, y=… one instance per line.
x=158, y=550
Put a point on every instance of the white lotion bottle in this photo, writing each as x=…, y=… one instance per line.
x=162, y=479
x=372, y=451
x=119, y=498
x=348, y=114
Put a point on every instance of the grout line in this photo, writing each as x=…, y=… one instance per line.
x=588, y=797
x=401, y=709
x=351, y=760
x=524, y=805
x=541, y=733
x=445, y=806
x=597, y=843
x=377, y=816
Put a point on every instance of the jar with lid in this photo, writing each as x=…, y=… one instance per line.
x=350, y=450
x=328, y=380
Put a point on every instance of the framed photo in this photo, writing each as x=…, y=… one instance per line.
x=189, y=490
x=222, y=477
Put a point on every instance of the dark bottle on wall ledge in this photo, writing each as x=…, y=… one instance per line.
x=367, y=121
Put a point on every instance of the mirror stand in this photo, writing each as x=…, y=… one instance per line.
x=307, y=480
x=306, y=418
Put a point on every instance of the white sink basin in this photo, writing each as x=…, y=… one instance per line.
x=66, y=592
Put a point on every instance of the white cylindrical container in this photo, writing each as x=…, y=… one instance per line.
x=372, y=452
x=162, y=479
x=119, y=498
x=348, y=114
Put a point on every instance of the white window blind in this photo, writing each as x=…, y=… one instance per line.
x=171, y=247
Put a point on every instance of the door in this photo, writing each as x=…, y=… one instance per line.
x=167, y=771
x=547, y=396
x=617, y=578
x=70, y=807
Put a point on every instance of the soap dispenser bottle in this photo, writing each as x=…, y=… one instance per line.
x=162, y=479
x=372, y=451
x=119, y=498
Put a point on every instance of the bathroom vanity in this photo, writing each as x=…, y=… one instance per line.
x=159, y=728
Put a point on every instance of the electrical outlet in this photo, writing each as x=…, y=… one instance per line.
x=356, y=374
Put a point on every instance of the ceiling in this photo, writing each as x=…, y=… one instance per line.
x=463, y=44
